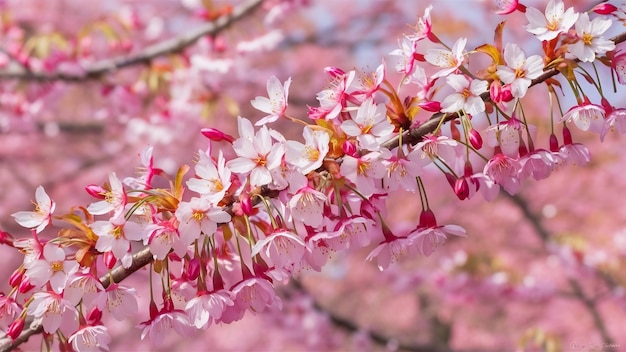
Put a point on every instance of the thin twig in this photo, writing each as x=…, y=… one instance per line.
x=166, y=47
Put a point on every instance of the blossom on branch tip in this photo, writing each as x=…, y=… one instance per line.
x=555, y=21
x=309, y=156
x=114, y=199
x=466, y=95
x=276, y=105
x=370, y=126
x=41, y=217
x=115, y=235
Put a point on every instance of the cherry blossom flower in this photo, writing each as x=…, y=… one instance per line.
x=91, y=339
x=8, y=311
x=41, y=217
x=448, y=60
x=254, y=294
x=370, y=125
x=555, y=21
x=506, y=7
x=504, y=171
x=364, y=171
x=121, y=301
x=432, y=147
x=506, y=135
x=213, y=179
x=389, y=250
x=367, y=83
x=520, y=71
x=408, y=56
x=54, y=312
x=257, y=156
x=208, y=307
x=401, y=172
x=276, y=104
x=52, y=268
x=157, y=328
x=113, y=200
x=282, y=247
x=307, y=205
x=538, y=163
x=198, y=216
x=429, y=235
x=586, y=116
x=466, y=96
x=590, y=38
x=423, y=27
x=333, y=100
x=144, y=180
x=115, y=235
x=309, y=156
x=573, y=153
x=86, y=287
x=163, y=237
x=615, y=120
x=618, y=64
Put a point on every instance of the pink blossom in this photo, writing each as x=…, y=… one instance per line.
x=538, y=163
x=586, y=116
x=8, y=311
x=615, y=120
x=466, y=96
x=208, y=307
x=618, y=64
x=333, y=100
x=90, y=339
x=41, y=217
x=504, y=171
x=257, y=156
x=407, y=52
x=506, y=7
x=448, y=60
x=282, y=247
x=86, y=287
x=159, y=326
x=213, y=179
x=520, y=71
x=198, y=216
x=555, y=21
x=163, y=237
x=113, y=200
x=144, y=180
x=54, y=311
x=402, y=172
x=255, y=294
x=364, y=171
x=434, y=147
x=423, y=27
x=590, y=41
x=115, y=235
x=428, y=235
x=370, y=125
x=307, y=206
x=390, y=250
x=276, y=105
x=309, y=156
x=121, y=301
x=52, y=268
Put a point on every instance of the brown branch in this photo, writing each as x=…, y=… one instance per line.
x=578, y=293
x=169, y=46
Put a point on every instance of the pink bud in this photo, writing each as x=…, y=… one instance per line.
x=16, y=277
x=604, y=9
x=96, y=191
x=246, y=205
x=349, y=148
x=109, y=260
x=461, y=188
x=216, y=135
x=193, y=270
x=468, y=170
x=475, y=139
x=154, y=310
x=25, y=286
x=334, y=72
x=554, y=143
x=432, y=106
x=15, y=329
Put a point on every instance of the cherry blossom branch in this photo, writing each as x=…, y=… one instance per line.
x=415, y=135
x=578, y=292
x=169, y=46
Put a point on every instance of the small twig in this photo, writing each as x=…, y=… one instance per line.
x=170, y=46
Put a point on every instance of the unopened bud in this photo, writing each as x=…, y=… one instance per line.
x=604, y=9
x=15, y=329
x=16, y=277
x=246, y=205
x=216, y=135
x=461, y=188
x=109, y=260
x=475, y=139
x=334, y=72
x=554, y=143
x=25, y=286
x=349, y=148
x=193, y=270
x=95, y=315
x=96, y=191
x=432, y=106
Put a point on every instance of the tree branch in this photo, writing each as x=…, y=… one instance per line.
x=574, y=284
x=169, y=46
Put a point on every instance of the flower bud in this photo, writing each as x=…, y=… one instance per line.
x=109, y=260
x=604, y=9
x=475, y=139
x=432, y=106
x=216, y=135
x=96, y=191
x=246, y=205
x=461, y=188
x=16, y=277
x=25, y=286
x=349, y=148
x=95, y=315
x=15, y=329
x=193, y=269
x=334, y=72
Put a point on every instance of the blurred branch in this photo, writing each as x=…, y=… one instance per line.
x=578, y=292
x=169, y=46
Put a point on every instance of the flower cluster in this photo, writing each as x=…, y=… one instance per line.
x=220, y=240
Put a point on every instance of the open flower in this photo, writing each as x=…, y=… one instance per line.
x=466, y=95
x=555, y=21
x=520, y=71
x=448, y=60
x=52, y=268
x=41, y=217
x=590, y=37
x=276, y=104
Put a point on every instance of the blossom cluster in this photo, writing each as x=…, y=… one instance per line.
x=260, y=208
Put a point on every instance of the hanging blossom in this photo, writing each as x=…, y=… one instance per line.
x=370, y=126
x=466, y=96
x=41, y=217
x=519, y=70
x=555, y=21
